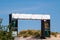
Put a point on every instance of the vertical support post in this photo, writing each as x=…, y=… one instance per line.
x=42, y=30
x=10, y=25
x=13, y=23
x=45, y=28
x=10, y=21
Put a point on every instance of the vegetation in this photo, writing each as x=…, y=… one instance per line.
x=33, y=33
x=54, y=33
x=5, y=34
x=28, y=33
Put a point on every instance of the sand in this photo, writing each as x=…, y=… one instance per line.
x=29, y=38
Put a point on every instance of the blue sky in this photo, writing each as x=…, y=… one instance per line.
x=51, y=7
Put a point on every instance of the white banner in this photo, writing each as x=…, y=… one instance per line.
x=30, y=16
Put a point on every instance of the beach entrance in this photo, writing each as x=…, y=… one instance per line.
x=45, y=22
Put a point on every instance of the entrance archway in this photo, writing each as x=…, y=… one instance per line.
x=45, y=22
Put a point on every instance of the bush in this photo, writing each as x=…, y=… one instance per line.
x=27, y=33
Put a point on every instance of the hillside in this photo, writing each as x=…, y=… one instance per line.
x=33, y=33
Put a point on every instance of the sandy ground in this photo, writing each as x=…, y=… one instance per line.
x=29, y=38
x=37, y=39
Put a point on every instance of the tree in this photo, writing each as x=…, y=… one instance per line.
x=5, y=34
